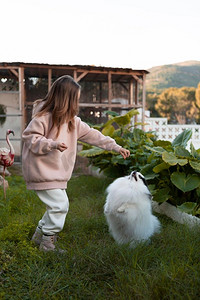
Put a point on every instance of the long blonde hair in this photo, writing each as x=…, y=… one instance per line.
x=62, y=102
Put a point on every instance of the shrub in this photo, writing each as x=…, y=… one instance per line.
x=125, y=135
x=174, y=173
x=171, y=170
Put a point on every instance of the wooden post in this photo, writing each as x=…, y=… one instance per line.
x=22, y=101
x=131, y=92
x=49, y=78
x=75, y=75
x=22, y=98
x=136, y=92
x=109, y=88
x=136, y=99
x=143, y=100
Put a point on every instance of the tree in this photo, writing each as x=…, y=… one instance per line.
x=197, y=103
x=166, y=103
x=177, y=104
x=197, y=96
x=151, y=100
x=189, y=108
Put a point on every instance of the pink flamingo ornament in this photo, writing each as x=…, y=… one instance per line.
x=7, y=157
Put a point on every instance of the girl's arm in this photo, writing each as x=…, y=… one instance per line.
x=34, y=137
x=96, y=138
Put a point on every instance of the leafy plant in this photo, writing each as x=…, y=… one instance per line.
x=134, y=139
x=176, y=173
x=171, y=170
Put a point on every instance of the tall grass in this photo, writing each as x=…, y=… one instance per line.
x=94, y=266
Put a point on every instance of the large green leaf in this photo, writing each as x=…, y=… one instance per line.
x=181, y=151
x=188, y=207
x=195, y=165
x=91, y=152
x=172, y=160
x=184, y=182
x=160, y=167
x=183, y=138
x=194, y=152
x=151, y=176
x=108, y=130
x=121, y=120
x=133, y=112
x=162, y=143
x=161, y=195
x=159, y=150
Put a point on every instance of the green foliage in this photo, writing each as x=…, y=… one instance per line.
x=151, y=101
x=197, y=104
x=182, y=139
x=190, y=208
x=178, y=180
x=172, y=171
x=113, y=165
x=178, y=105
x=197, y=96
x=185, y=182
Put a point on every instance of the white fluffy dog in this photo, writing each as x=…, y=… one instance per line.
x=128, y=210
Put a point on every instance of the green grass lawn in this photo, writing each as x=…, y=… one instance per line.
x=94, y=266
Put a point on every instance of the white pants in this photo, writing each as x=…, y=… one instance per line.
x=57, y=204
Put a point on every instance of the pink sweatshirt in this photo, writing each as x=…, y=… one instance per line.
x=44, y=166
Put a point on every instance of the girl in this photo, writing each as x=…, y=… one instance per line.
x=49, y=152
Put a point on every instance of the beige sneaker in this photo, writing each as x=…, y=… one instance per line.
x=37, y=237
x=48, y=244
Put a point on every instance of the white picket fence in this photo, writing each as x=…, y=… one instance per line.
x=168, y=132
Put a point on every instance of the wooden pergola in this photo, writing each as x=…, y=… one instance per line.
x=134, y=78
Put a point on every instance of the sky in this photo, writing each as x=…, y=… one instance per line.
x=137, y=34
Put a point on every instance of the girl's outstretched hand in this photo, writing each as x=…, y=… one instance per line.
x=124, y=152
x=61, y=147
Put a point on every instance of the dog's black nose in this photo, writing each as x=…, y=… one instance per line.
x=134, y=175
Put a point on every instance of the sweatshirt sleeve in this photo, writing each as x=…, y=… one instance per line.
x=34, y=137
x=96, y=138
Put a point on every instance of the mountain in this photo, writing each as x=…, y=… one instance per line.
x=174, y=75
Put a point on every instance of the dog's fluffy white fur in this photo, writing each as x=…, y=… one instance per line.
x=128, y=210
